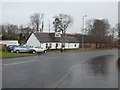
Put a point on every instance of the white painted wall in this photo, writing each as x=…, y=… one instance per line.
x=43, y=45
x=53, y=45
x=59, y=45
x=67, y=45
x=72, y=45
x=33, y=41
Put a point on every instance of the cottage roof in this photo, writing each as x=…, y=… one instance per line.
x=72, y=39
x=50, y=37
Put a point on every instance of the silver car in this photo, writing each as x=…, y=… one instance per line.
x=37, y=49
x=21, y=49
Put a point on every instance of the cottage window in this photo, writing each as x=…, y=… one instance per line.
x=50, y=45
x=46, y=45
x=56, y=45
x=75, y=45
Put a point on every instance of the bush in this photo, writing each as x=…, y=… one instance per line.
x=4, y=48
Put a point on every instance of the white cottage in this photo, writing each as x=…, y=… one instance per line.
x=48, y=40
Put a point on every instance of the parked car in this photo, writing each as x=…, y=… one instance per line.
x=11, y=47
x=37, y=49
x=22, y=49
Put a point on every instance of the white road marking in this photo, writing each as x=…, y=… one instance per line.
x=30, y=61
x=19, y=62
x=27, y=61
x=64, y=76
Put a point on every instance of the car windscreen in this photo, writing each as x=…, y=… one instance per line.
x=39, y=47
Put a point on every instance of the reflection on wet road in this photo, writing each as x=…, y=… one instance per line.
x=94, y=73
x=99, y=66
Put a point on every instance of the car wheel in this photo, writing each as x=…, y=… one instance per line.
x=33, y=51
x=45, y=51
x=11, y=51
x=17, y=51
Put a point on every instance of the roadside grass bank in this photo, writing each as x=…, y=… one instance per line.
x=4, y=54
x=11, y=55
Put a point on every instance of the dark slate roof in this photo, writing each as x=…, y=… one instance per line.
x=46, y=37
x=72, y=39
x=50, y=37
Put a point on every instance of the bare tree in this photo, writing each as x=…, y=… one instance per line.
x=9, y=29
x=113, y=32
x=62, y=22
x=89, y=26
x=56, y=24
x=36, y=20
x=98, y=29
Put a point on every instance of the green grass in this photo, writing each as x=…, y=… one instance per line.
x=9, y=55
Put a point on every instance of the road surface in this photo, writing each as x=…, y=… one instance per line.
x=90, y=69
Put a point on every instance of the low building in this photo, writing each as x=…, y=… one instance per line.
x=88, y=41
x=48, y=40
x=9, y=42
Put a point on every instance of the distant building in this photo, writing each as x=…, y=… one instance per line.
x=9, y=42
x=88, y=41
x=48, y=40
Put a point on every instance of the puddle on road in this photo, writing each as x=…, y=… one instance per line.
x=99, y=65
x=99, y=72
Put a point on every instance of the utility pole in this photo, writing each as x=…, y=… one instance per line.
x=42, y=21
x=83, y=30
x=49, y=26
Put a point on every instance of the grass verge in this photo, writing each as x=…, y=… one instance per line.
x=12, y=55
x=9, y=55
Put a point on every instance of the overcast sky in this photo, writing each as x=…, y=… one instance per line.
x=19, y=12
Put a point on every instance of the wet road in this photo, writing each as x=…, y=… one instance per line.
x=91, y=69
